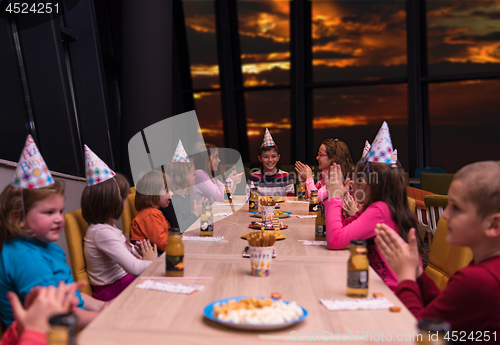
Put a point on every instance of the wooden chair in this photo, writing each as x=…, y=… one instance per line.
x=129, y=212
x=435, y=207
x=421, y=212
x=444, y=259
x=75, y=229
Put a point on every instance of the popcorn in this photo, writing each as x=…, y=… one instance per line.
x=279, y=312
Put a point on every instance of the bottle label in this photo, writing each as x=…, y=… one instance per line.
x=207, y=226
x=320, y=231
x=313, y=207
x=357, y=279
x=253, y=205
x=175, y=263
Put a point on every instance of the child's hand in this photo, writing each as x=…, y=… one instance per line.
x=148, y=253
x=334, y=182
x=303, y=170
x=235, y=177
x=402, y=257
x=349, y=205
x=47, y=301
x=198, y=206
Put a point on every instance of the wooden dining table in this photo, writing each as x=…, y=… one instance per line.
x=304, y=274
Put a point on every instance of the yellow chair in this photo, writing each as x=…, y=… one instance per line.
x=74, y=230
x=437, y=183
x=444, y=259
x=129, y=212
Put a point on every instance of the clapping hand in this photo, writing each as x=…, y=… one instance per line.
x=304, y=171
x=235, y=177
x=334, y=182
x=146, y=251
x=349, y=205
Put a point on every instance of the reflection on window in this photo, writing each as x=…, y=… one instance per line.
x=463, y=36
x=200, y=29
x=464, y=123
x=208, y=110
x=268, y=109
x=265, y=42
x=358, y=40
x=355, y=114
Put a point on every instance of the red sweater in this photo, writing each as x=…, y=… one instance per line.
x=28, y=337
x=470, y=301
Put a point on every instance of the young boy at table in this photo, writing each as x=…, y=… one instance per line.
x=270, y=181
x=471, y=301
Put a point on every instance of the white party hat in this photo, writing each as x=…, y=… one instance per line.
x=366, y=149
x=31, y=171
x=268, y=139
x=180, y=155
x=381, y=150
x=395, y=154
x=96, y=171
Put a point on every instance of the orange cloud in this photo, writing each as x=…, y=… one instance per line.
x=204, y=70
x=256, y=68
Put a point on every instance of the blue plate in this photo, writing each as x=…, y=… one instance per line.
x=285, y=215
x=208, y=311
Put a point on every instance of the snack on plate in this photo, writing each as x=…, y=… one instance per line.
x=279, y=213
x=378, y=294
x=267, y=201
x=261, y=238
x=256, y=311
x=276, y=295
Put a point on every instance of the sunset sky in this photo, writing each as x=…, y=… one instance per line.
x=357, y=40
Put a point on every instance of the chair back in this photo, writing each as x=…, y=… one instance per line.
x=437, y=183
x=435, y=206
x=129, y=212
x=445, y=259
x=75, y=229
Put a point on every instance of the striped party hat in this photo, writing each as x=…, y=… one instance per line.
x=180, y=155
x=96, y=171
x=31, y=171
x=268, y=139
x=366, y=149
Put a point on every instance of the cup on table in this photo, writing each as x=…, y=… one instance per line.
x=267, y=214
x=260, y=259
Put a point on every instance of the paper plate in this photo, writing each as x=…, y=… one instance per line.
x=285, y=214
x=279, y=238
x=208, y=311
x=259, y=227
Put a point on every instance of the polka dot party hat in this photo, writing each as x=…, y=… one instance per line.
x=180, y=155
x=268, y=139
x=96, y=171
x=31, y=171
x=381, y=150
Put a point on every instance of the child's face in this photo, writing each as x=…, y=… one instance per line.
x=45, y=220
x=214, y=159
x=191, y=176
x=322, y=158
x=164, y=198
x=465, y=227
x=269, y=159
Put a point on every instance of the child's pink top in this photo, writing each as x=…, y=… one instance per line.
x=28, y=337
x=205, y=188
x=319, y=186
x=360, y=226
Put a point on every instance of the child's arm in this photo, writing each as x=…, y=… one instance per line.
x=113, y=245
x=208, y=188
x=155, y=227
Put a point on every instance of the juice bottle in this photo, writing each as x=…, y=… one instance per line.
x=227, y=193
x=174, y=253
x=320, y=230
x=357, y=270
x=253, y=201
x=313, y=202
x=301, y=191
x=207, y=222
x=62, y=329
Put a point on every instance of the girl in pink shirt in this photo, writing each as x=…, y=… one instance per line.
x=381, y=188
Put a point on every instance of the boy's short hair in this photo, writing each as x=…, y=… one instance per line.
x=268, y=148
x=104, y=200
x=482, y=186
x=148, y=188
x=11, y=207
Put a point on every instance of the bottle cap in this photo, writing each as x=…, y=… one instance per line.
x=174, y=229
x=359, y=242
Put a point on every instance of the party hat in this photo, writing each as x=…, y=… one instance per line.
x=395, y=155
x=31, y=171
x=381, y=150
x=366, y=149
x=268, y=139
x=96, y=171
x=180, y=154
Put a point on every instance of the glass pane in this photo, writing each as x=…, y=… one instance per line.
x=355, y=114
x=358, y=40
x=264, y=28
x=268, y=109
x=208, y=110
x=202, y=44
x=463, y=36
x=464, y=123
